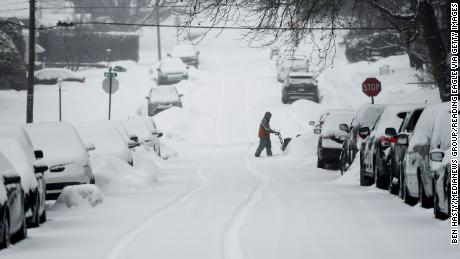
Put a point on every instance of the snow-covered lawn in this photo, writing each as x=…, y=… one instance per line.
x=213, y=199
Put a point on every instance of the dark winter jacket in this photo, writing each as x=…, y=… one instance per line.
x=264, y=127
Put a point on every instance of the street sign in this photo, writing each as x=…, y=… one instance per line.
x=372, y=86
x=110, y=74
x=106, y=85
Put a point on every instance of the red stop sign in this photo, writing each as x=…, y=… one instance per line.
x=372, y=86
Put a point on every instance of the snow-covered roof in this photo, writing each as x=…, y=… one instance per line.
x=59, y=142
x=390, y=119
x=164, y=94
x=54, y=73
x=106, y=138
x=14, y=8
x=425, y=125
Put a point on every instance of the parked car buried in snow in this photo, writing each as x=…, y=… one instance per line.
x=375, y=162
x=187, y=53
x=162, y=98
x=171, y=71
x=300, y=85
x=107, y=140
x=50, y=76
x=12, y=215
x=148, y=137
x=331, y=137
x=397, y=151
x=288, y=64
x=17, y=147
x=429, y=135
x=366, y=116
x=66, y=155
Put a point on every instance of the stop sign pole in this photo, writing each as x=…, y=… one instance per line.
x=371, y=87
x=110, y=75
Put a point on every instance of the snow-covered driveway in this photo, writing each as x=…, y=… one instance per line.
x=217, y=201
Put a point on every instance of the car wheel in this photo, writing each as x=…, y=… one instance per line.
x=22, y=232
x=320, y=163
x=92, y=180
x=284, y=99
x=43, y=217
x=437, y=212
x=377, y=177
x=424, y=200
x=363, y=179
x=5, y=232
x=35, y=221
x=392, y=188
x=342, y=163
x=401, y=182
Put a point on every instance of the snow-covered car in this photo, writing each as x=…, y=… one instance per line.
x=375, y=163
x=162, y=98
x=131, y=139
x=66, y=155
x=397, y=151
x=171, y=71
x=141, y=127
x=17, y=147
x=331, y=137
x=187, y=53
x=366, y=116
x=440, y=157
x=323, y=116
x=107, y=140
x=50, y=76
x=300, y=85
x=418, y=177
x=13, y=225
x=291, y=63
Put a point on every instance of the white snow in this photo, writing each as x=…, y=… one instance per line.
x=55, y=73
x=80, y=195
x=164, y=95
x=214, y=200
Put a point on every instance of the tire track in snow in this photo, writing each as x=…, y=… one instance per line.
x=231, y=247
x=131, y=235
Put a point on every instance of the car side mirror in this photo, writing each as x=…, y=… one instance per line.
x=311, y=123
x=57, y=169
x=147, y=97
x=133, y=144
x=403, y=139
x=364, y=132
x=158, y=134
x=344, y=127
x=39, y=169
x=158, y=69
x=90, y=147
x=38, y=154
x=9, y=179
x=391, y=132
x=317, y=131
x=198, y=53
x=134, y=138
x=187, y=67
x=437, y=155
x=181, y=95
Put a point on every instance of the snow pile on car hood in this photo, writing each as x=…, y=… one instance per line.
x=114, y=176
x=85, y=195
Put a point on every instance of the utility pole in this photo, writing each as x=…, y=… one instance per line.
x=31, y=68
x=157, y=7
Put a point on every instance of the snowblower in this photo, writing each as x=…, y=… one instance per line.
x=284, y=141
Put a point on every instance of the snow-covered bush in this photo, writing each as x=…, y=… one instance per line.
x=80, y=195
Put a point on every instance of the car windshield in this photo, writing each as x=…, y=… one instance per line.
x=368, y=115
x=332, y=122
x=164, y=94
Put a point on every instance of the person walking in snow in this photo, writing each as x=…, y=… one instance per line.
x=264, y=135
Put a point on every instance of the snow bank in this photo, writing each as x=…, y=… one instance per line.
x=85, y=195
x=303, y=146
x=116, y=176
x=351, y=176
x=306, y=110
x=173, y=121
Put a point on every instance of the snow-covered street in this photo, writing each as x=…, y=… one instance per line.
x=216, y=200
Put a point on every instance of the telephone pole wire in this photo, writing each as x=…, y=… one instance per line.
x=31, y=65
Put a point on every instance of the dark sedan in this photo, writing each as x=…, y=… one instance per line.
x=13, y=225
